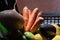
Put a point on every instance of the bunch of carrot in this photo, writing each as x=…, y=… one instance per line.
x=32, y=19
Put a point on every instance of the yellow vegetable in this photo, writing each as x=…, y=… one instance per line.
x=57, y=37
x=38, y=37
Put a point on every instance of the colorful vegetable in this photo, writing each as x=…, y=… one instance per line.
x=32, y=18
x=36, y=23
x=26, y=16
x=29, y=35
x=38, y=37
x=35, y=26
x=57, y=36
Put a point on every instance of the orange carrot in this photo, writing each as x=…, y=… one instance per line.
x=34, y=29
x=32, y=19
x=36, y=23
x=39, y=14
x=26, y=16
x=29, y=13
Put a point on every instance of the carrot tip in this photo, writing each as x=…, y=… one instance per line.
x=36, y=8
x=25, y=7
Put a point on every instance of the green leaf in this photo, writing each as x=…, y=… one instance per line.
x=3, y=28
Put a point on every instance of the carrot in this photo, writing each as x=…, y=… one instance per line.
x=26, y=16
x=29, y=13
x=36, y=23
x=34, y=29
x=39, y=14
x=32, y=19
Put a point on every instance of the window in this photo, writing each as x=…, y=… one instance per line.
x=51, y=18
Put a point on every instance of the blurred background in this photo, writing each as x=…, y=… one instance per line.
x=43, y=5
x=6, y=4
